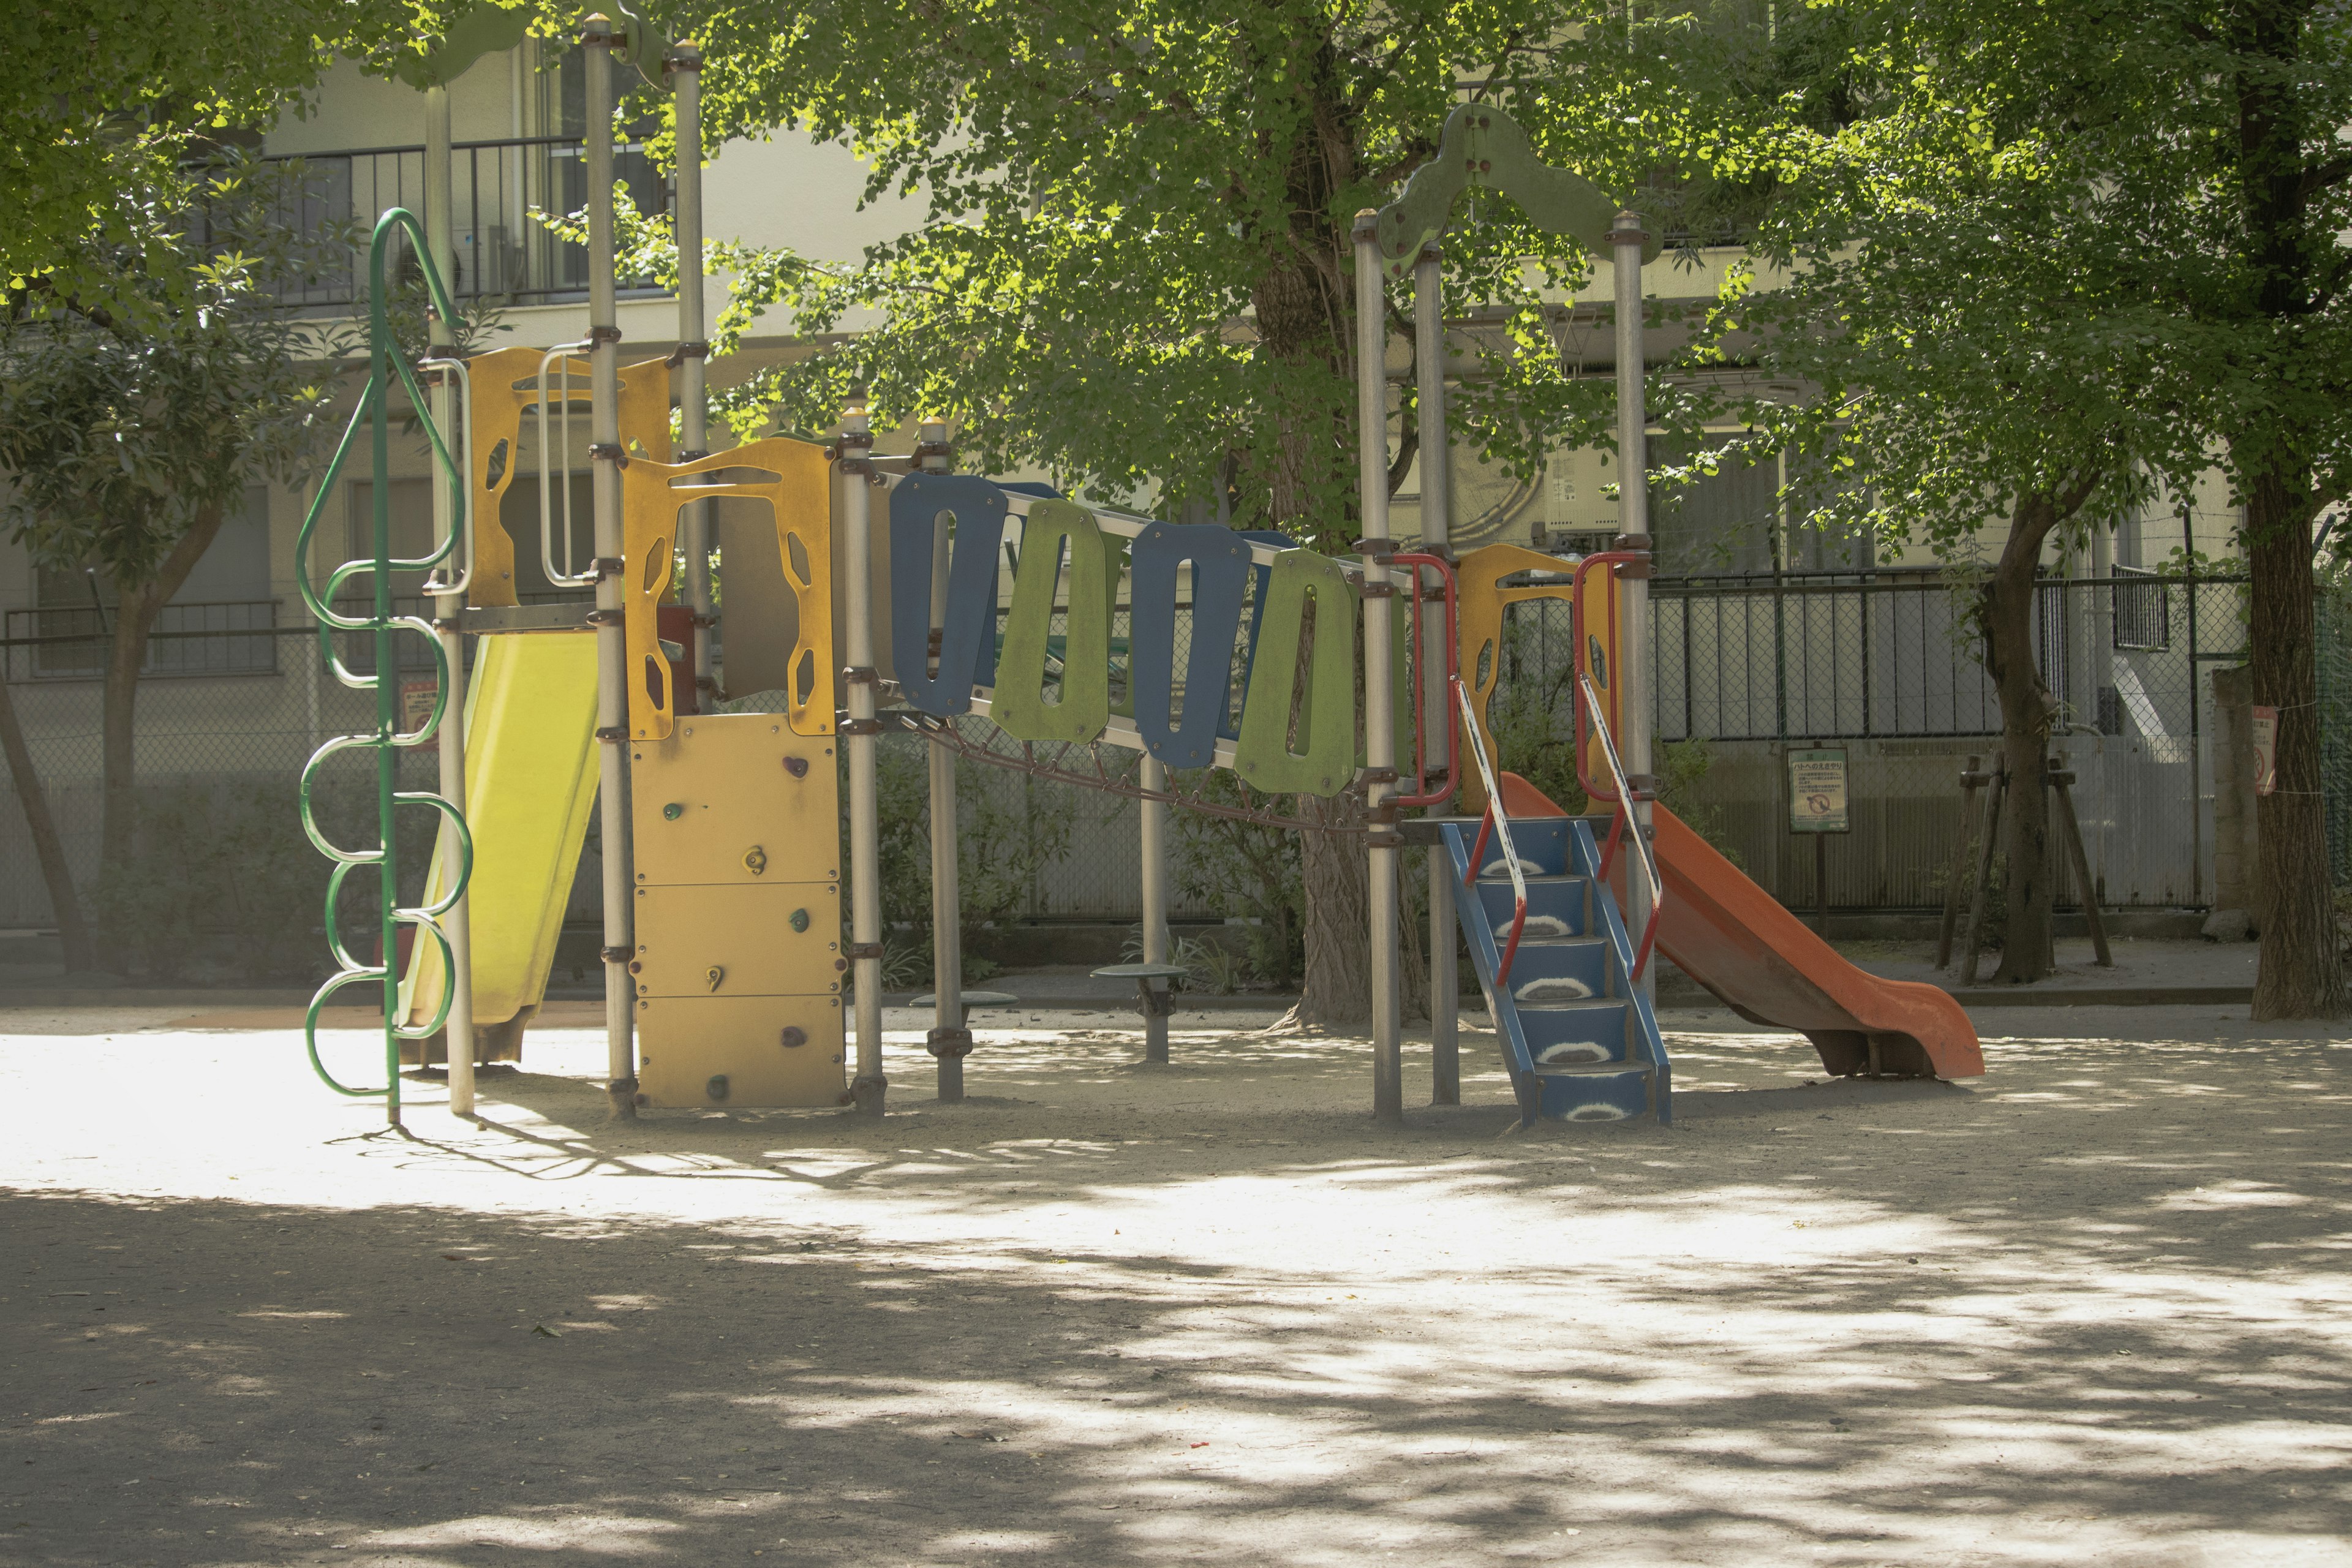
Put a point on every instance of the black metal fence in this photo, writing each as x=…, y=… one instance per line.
x=1750, y=667
x=1890, y=666
x=500, y=250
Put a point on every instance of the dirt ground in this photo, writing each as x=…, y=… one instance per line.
x=2089, y=1309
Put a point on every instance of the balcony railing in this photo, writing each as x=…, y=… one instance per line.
x=501, y=253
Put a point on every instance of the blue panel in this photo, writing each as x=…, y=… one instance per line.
x=968, y=643
x=1229, y=726
x=1221, y=566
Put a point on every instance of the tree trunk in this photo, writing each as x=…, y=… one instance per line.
x=134, y=618
x=2301, y=974
x=1337, y=991
x=118, y=731
x=2028, y=712
x=65, y=903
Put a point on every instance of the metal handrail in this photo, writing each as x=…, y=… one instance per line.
x=440, y=583
x=565, y=578
x=1588, y=711
x=1497, y=822
x=1645, y=852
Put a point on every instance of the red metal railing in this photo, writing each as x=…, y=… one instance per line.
x=1423, y=794
x=1616, y=790
x=1496, y=823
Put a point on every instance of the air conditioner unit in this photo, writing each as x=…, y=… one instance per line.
x=1579, y=496
x=486, y=258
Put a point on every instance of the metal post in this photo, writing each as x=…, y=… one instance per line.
x=856, y=555
x=596, y=40
x=685, y=64
x=1379, y=711
x=1634, y=534
x=1980, y=889
x=1154, y=878
x=1821, y=884
x=1437, y=706
x=1970, y=779
x=950, y=1039
x=458, y=1033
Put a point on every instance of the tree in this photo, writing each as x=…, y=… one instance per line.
x=103, y=97
x=1136, y=269
x=1973, y=383
x=130, y=436
x=2195, y=184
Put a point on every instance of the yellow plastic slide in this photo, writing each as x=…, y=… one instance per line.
x=531, y=782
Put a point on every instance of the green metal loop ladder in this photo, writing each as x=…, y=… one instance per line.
x=386, y=739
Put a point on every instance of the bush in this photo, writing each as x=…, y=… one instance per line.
x=1000, y=848
x=222, y=882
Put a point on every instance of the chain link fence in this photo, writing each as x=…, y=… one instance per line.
x=232, y=704
x=1888, y=666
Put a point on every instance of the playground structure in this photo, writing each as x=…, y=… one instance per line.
x=730, y=978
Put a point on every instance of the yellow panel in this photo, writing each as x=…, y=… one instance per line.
x=777, y=940
x=684, y=1042
x=531, y=781
x=1481, y=601
x=735, y=798
x=1596, y=605
x=800, y=498
x=495, y=415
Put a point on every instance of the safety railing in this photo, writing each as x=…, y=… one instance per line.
x=1592, y=723
x=382, y=624
x=1495, y=823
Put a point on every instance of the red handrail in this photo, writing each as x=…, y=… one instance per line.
x=1496, y=821
x=1424, y=795
x=1622, y=793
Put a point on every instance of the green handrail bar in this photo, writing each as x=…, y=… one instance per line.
x=387, y=739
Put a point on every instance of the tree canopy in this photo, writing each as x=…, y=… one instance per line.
x=1136, y=267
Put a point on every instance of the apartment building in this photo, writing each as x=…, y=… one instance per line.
x=1770, y=632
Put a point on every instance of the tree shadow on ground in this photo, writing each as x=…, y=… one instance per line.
x=1851, y=1323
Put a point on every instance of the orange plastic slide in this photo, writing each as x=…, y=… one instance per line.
x=1762, y=962
x=1765, y=964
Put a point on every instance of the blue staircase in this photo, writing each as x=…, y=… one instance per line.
x=1581, y=1043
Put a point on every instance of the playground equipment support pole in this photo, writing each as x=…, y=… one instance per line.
x=458, y=1032
x=1379, y=710
x=1634, y=534
x=685, y=65
x=611, y=652
x=1154, y=878
x=950, y=1039
x=867, y=1088
x=1436, y=477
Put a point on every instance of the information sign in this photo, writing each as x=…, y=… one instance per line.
x=1817, y=800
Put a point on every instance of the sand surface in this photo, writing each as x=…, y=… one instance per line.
x=2092, y=1308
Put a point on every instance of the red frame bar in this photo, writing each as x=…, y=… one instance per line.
x=1487, y=822
x=1426, y=796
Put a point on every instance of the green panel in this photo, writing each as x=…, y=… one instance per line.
x=1020, y=708
x=1483, y=146
x=1326, y=716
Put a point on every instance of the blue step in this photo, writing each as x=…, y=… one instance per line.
x=1565, y=899
x=1579, y=1044
x=1594, y=1094
x=1575, y=1034
x=1558, y=969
